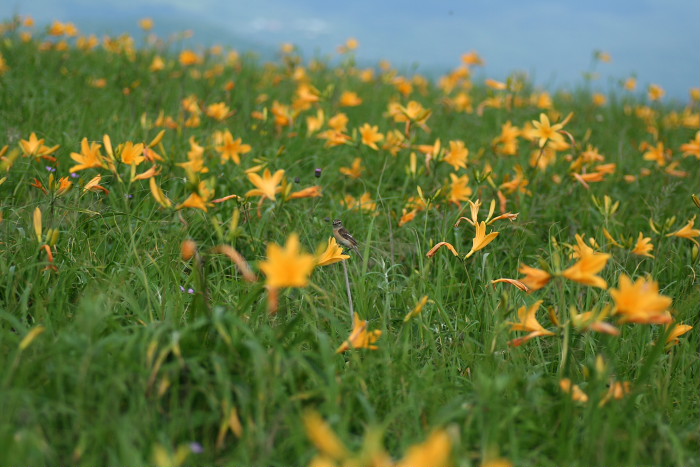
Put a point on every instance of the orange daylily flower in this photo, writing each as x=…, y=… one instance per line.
x=527, y=321
x=656, y=92
x=339, y=122
x=310, y=192
x=332, y=254
x=201, y=199
x=513, y=282
x=576, y=393
x=94, y=185
x=35, y=147
x=146, y=24
x=412, y=112
x=434, y=249
x=370, y=135
x=640, y=302
x=323, y=437
x=534, y=279
x=132, y=154
x=306, y=96
x=407, y=216
x=457, y=155
x=334, y=138
x=692, y=148
x=64, y=186
x=474, y=211
x=281, y=113
x=288, y=266
x=497, y=85
x=88, y=157
x=657, y=153
x=518, y=183
x=314, y=123
x=585, y=179
x=481, y=240
x=158, y=194
x=459, y=189
x=394, y=141
x=195, y=158
x=37, y=184
x=677, y=331
x=349, y=99
x=360, y=338
x=643, y=246
x=365, y=203
x=687, y=231
x=152, y=172
x=472, y=58
x=545, y=132
x=593, y=320
x=590, y=263
x=417, y=309
x=157, y=64
x=219, y=111
x=350, y=44
x=231, y=149
x=238, y=260
x=267, y=185
x=188, y=57
x=355, y=170
x=617, y=390
x=434, y=452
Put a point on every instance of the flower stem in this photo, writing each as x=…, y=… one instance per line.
x=347, y=286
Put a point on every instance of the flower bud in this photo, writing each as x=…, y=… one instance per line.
x=188, y=249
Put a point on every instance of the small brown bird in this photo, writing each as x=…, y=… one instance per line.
x=343, y=237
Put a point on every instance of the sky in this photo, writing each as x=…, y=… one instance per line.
x=658, y=41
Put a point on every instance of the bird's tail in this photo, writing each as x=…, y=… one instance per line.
x=357, y=250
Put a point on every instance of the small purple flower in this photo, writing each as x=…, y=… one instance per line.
x=74, y=175
x=129, y=196
x=196, y=447
x=182, y=289
x=190, y=291
x=50, y=169
x=317, y=173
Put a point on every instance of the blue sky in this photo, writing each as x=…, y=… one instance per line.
x=553, y=41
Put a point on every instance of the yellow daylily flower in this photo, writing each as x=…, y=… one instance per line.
x=417, y=309
x=687, y=231
x=288, y=266
x=590, y=263
x=434, y=452
x=534, y=279
x=640, y=302
x=481, y=240
x=527, y=321
x=88, y=157
x=360, y=338
x=332, y=254
x=266, y=186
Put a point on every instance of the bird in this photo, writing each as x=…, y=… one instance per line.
x=343, y=237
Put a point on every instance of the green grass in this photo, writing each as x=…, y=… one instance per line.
x=129, y=364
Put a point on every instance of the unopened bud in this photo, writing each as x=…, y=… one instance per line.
x=188, y=249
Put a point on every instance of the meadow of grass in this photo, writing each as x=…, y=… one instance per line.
x=147, y=317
